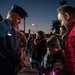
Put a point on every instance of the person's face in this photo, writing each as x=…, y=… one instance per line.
x=62, y=31
x=53, y=50
x=63, y=19
x=16, y=28
x=15, y=19
x=38, y=36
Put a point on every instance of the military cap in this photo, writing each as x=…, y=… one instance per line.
x=20, y=11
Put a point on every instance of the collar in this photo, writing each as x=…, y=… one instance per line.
x=71, y=25
x=63, y=36
x=8, y=23
x=36, y=42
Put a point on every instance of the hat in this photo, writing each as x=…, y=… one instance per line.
x=20, y=11
x=53, y=42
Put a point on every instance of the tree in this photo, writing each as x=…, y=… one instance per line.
x=56, y=26
x=63, y=2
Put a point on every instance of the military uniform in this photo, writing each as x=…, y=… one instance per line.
x=8, y=48
x=8, y=56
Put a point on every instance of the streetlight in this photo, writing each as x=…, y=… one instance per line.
x=36, y=26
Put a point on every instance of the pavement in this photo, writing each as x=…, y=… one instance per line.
x=25, y=71
x=28, y=72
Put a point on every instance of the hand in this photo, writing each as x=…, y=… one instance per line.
x=24, y=64
x=58, y=65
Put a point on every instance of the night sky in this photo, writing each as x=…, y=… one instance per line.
x=40, y=12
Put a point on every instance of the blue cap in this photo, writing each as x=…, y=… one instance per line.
x=20, y=11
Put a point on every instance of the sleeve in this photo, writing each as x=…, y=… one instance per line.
x=5, y=49
x=6, y=52
x=45, y=62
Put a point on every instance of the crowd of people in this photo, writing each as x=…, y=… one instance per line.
x=52, y=56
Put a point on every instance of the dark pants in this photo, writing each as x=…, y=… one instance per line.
x=6, y=68
x=37, y=64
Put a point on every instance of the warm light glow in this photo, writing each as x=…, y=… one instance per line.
x=33, y=24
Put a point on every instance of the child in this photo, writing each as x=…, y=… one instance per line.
x=52, y=63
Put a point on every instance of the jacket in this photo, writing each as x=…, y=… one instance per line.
x=69, y=49
x=8, y=48
x=50, y=60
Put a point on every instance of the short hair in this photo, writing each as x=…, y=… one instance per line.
x=63, y=27
x=66, y=8
x=9, y=13
x=41, y=33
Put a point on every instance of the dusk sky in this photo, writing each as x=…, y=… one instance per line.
x=41, y=12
